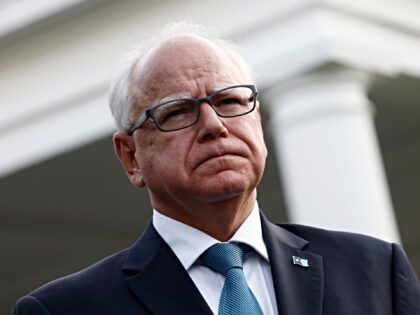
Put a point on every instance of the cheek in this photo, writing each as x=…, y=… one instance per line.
x=148, y=156
x=262, y=145
x=168, y=156
x=261, y=152
x=254, y=137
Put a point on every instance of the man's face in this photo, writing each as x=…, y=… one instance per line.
x=211, y=161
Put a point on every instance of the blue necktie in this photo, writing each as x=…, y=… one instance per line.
x=237, y=298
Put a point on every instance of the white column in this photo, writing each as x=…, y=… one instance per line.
x=328, y=152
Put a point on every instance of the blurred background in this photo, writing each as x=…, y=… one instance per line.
x=339, y=86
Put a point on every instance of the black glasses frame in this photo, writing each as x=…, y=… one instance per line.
x=149, y=112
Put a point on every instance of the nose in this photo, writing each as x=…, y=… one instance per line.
x=210, y=124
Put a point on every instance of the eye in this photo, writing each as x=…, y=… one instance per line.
x=174, y=111
x=229, y=100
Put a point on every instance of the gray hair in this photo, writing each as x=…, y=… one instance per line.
x=122, y=100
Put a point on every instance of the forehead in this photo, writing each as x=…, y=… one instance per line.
x=185, y=65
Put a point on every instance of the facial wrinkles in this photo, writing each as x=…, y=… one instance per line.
x=204, y=73
x=196, y=72
x=175, y=65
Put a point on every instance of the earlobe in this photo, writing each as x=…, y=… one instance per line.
x=137, y=180
x=125, y=149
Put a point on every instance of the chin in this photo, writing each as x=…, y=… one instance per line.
x=224, y=186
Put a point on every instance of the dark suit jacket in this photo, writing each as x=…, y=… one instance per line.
x=347, y=274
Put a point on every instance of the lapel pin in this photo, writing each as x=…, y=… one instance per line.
x=298, y=261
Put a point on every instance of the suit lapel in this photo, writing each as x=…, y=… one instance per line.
x=299, y=290
x=158, y=279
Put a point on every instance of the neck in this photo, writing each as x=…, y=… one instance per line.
x=219, y=219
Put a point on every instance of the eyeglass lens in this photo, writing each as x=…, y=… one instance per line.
x=182, y=113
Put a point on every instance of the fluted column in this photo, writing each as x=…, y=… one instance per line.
x=323, y=129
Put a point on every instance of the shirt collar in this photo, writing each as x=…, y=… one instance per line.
x=189, y=243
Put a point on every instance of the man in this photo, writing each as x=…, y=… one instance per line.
x=190, y=132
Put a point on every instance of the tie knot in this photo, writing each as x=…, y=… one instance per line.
x=222, y=257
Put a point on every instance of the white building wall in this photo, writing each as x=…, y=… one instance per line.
x=54, y=78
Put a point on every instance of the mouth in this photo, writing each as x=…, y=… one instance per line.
x=219, y=155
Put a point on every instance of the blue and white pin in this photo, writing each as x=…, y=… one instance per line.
x=302, y=262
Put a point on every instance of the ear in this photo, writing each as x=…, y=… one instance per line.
x=125, y=149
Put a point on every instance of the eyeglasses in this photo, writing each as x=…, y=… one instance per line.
x=182, y=113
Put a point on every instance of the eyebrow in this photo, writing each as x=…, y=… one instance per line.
x=168, y=98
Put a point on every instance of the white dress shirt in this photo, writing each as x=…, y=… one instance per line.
x=189, y=243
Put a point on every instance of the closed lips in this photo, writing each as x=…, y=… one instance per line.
x=220, y=154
